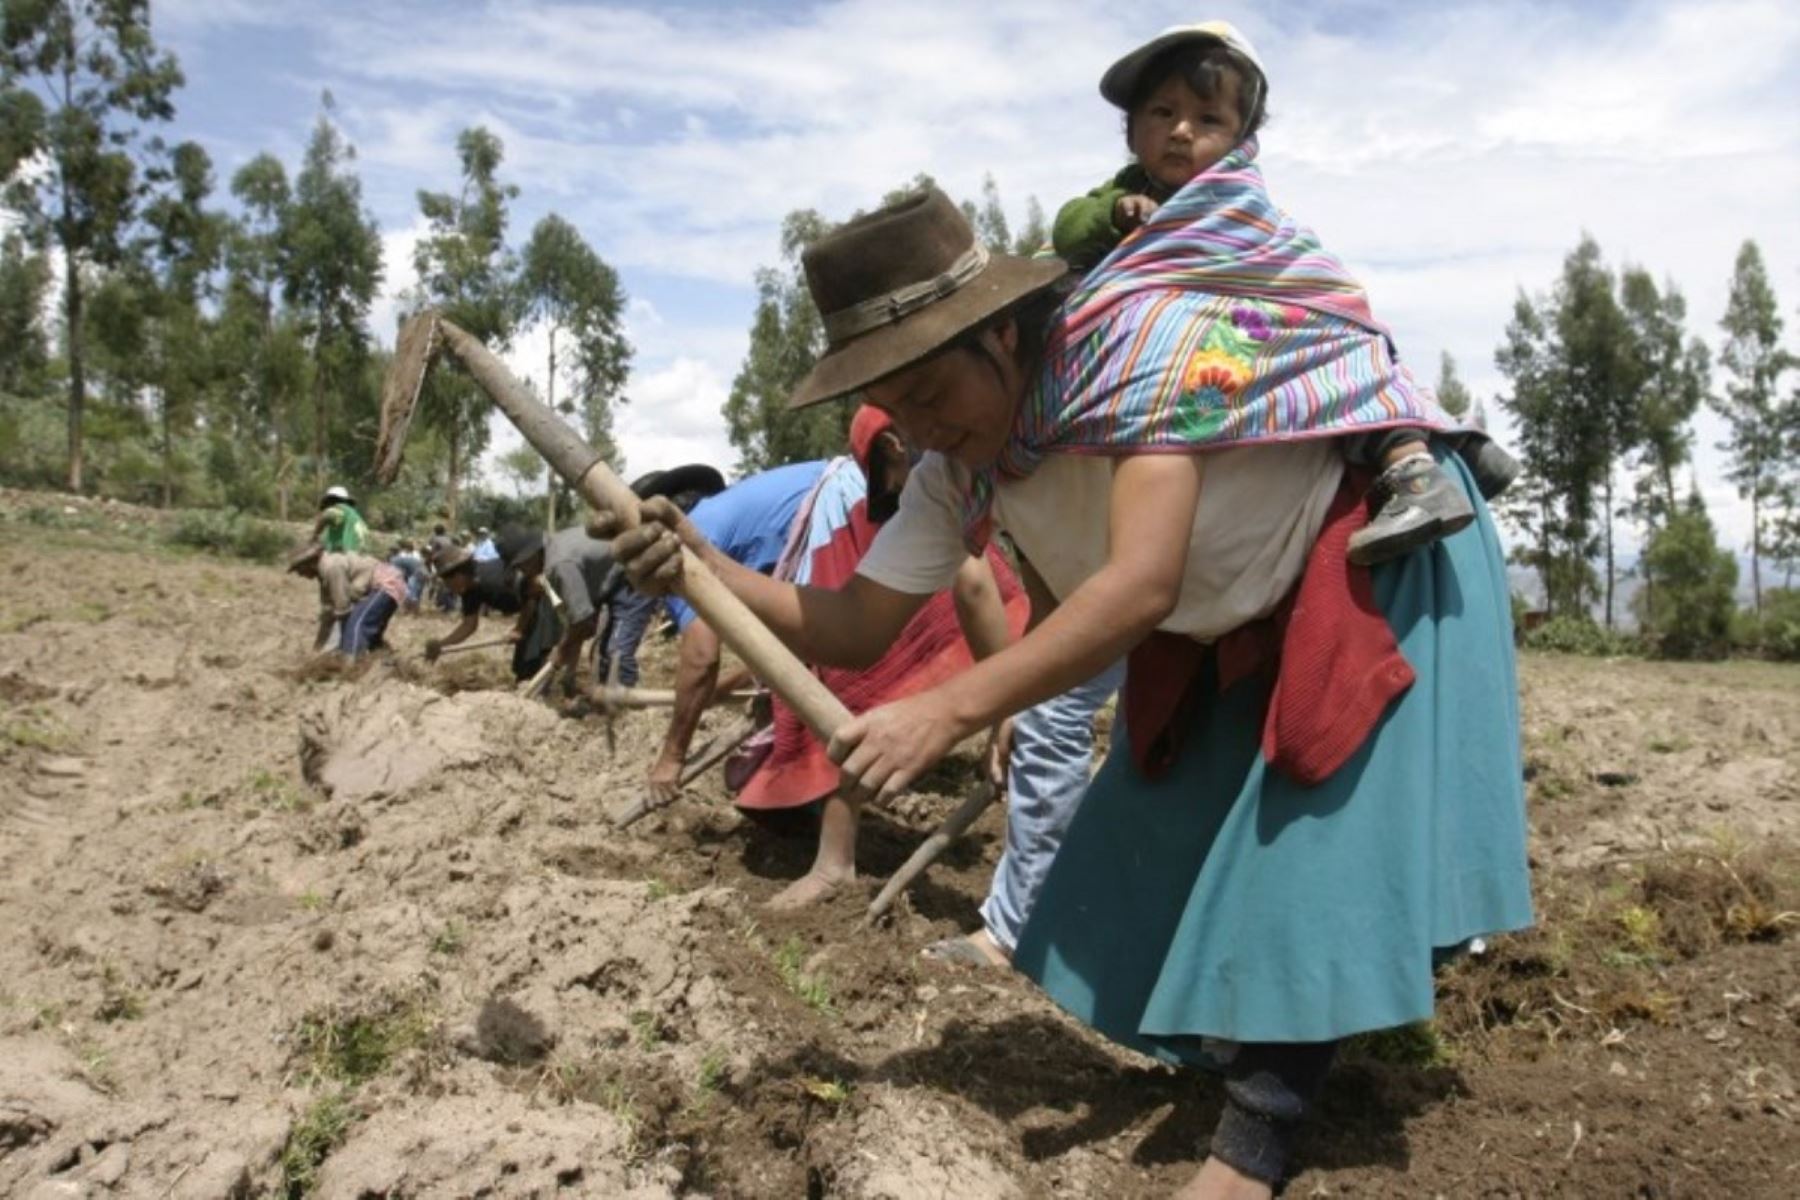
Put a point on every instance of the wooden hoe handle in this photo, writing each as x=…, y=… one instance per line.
x=581, y=466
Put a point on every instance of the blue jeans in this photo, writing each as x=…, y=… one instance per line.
x=1052, y=754
x=363, y=628
x=632, y=614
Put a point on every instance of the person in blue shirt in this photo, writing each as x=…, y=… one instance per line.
x=484, y=549
x=749, y=522
x=633, y=611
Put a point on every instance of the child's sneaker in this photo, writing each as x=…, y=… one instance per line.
x=1419, y=505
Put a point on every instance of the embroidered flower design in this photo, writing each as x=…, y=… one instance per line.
x=1253, y=321
x=1213, y=371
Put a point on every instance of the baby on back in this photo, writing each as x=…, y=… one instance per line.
x=1192, y=95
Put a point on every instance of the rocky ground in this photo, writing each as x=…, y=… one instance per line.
x=276, y=931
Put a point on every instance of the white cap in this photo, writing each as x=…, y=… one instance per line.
x=336, y=493
x=1121, y=78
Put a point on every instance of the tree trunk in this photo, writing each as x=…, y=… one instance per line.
x=281, y=465
x=1544, y=564
x=450, y=488
x=1607, y=494
x=277, y=408
x=77, y=382
x=550, y=473
x=319, y=403
x=1756, y=550
x=168, y=456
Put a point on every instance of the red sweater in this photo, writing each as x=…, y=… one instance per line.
x=1337, y=664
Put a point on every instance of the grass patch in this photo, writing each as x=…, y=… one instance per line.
x=320, y=1130
x=712, y=1072
x=117, y=1001
x=566, y=1081
x=34, y=728
x=277, y=791
x=353, y=1047
x=1418, y=1045
x=1595, y=962
x=647, y=1029
x=449, y=940
x=812, y=990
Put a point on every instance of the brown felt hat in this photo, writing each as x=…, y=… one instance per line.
x=902, y=282
x=308, y=553
x=452, y=559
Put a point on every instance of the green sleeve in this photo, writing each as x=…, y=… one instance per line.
x=1084, y=233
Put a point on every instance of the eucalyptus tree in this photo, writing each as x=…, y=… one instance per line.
x=78, y=81
x=570, y=289
x=330, y=269
x=466, y=271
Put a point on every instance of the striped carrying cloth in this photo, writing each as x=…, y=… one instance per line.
x=1221, y=322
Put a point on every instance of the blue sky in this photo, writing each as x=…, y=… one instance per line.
x=1450, y=153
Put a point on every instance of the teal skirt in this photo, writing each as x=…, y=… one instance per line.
x=1225, y=901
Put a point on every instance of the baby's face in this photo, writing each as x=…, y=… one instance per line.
x=1177, y=133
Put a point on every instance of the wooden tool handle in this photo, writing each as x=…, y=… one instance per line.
x=578, y=463
x=953, y=827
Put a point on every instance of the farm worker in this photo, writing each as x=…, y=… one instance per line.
x=823, y=536
x=435, y=546
x=579, y=568
x=632, y=610
x=476, y=587
x=406, y=560
x=485, y=550
x=1273, y=855
x=339, y=527
x=358, y=595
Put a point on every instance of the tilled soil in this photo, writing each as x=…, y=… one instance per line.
x=271, y=930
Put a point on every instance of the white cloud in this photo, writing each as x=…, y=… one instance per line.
x=1450, y=154
x=673, y=417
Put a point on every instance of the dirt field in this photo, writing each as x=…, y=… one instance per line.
x=440, y=972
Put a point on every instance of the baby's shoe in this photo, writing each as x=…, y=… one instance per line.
x=1419, y=504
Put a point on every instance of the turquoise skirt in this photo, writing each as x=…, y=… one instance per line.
x=1226, y=901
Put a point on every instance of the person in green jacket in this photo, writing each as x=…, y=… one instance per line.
x=339, y=527
x=1191, y=95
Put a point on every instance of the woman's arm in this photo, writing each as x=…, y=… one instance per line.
x=1150, y=521
x=979, y=610
x=851, y=626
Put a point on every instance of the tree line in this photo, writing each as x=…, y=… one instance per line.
x=1605, y=381
x=205, y=354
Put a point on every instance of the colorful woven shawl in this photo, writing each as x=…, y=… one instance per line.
x=1221, y=322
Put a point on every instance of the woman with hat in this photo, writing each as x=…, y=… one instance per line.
x=1317, y=787
x=474, y=587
